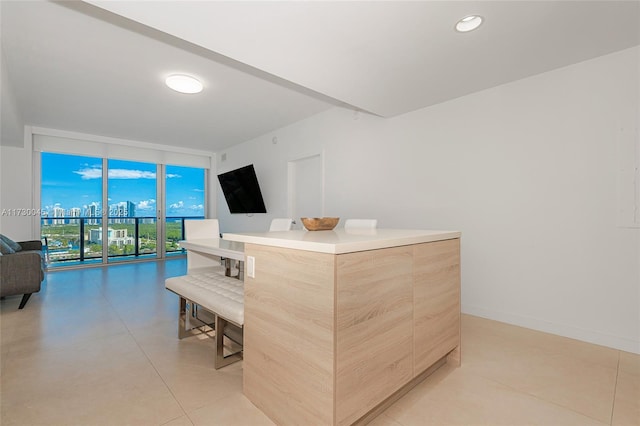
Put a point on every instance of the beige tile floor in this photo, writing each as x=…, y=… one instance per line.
x=99, y=347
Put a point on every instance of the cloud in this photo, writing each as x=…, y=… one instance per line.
x=173, y=175
x=198, y=190
x=197, y=207
x=130, y=174
x=146, y=204
x=96, y=173
x=177, y=205
x=89, y=173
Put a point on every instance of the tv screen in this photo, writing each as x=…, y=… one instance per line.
x=241, y=190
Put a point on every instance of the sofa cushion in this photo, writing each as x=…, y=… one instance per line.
x=8, y=241
x=5, y=249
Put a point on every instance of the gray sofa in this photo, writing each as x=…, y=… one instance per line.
x=21, y=268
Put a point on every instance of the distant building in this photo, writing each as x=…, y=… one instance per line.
x=123, y=209
x=58, y=214
x=116, y=237
x=92, y=212
x=74, y=212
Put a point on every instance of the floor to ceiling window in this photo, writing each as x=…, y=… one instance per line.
x=132, y=218
x=140, y=203
x=184, y=199
x=71, y=204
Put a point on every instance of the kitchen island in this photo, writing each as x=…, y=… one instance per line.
x=339, y=324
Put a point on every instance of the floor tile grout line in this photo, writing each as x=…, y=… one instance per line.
x=538, y=397
x=176, y=418
x=615, y=389
x=144, y=353
x=103, y=294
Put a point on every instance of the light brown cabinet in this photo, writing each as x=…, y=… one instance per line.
x=330, y=337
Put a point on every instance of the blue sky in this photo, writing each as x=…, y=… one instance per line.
x=71, y=181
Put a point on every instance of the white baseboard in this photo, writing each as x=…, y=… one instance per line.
x=590, y=336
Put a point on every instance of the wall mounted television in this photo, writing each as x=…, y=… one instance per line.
x=242, y=191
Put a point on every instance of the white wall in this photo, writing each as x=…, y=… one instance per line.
x=11, y=134
x=527, y=171
x=11, y=131
x=16, y=186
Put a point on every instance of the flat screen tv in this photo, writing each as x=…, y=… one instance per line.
x=241, y=190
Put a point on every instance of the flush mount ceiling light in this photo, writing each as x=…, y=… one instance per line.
x=184, y=83
x=468, y=23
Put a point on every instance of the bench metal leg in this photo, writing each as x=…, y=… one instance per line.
x=183, y=317
x=221, y=360
x=190, y=320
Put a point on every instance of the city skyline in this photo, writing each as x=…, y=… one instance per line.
x=71, y=182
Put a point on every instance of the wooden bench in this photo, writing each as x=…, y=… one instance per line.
x=204, y=295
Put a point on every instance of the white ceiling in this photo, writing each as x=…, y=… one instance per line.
x=98, y=68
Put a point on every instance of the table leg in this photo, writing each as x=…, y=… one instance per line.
x=227, y=267
x=241, y=270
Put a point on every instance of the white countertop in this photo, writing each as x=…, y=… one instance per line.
x=216, y=246
x=340, y=240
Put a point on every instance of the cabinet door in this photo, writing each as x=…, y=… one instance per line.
x=374, y=329
x=436, y=295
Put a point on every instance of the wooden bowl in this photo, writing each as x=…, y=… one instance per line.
x=319, y=223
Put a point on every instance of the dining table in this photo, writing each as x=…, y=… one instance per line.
x=227, y=250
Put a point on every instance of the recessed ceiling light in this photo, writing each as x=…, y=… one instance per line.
x=468, y=23
x=184, y=83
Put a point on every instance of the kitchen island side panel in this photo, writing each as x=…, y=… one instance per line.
x=288, y=367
